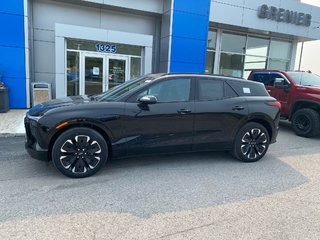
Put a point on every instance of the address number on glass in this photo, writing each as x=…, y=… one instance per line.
x=106, y=48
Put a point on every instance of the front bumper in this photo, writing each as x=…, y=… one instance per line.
x=41, y=155
x=31, y=145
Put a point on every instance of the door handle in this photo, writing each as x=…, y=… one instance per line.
x=238, y=108
x=184, y=111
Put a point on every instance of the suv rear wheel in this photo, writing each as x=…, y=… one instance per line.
x=306, y=122
x=79, y=152
x=251, y=143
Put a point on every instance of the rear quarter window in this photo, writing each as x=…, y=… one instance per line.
x=249, y=89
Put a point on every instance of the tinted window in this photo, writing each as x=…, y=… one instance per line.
x=173, y=90
x=247, y=89
x=124, y=88
x=229, y=92
x=305, y=78
x=263, y=78
x=209, y=89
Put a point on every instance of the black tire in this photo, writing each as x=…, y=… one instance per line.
x=79, y=152
x=306, y=123
x=251, y=143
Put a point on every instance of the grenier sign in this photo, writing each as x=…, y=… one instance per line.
x=284, y=15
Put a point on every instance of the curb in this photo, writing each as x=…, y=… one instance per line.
x=6, y=135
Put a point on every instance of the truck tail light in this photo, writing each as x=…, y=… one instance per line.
x=275, y=104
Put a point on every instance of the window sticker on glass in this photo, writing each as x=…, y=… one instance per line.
x=246, y=90
x=96, y=71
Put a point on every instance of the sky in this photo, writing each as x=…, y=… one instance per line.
x=313, y=2
x=311, y=51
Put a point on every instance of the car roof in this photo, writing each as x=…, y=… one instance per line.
x=279, y=71
x=214, y=76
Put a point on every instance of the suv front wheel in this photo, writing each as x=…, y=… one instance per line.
x=306, y=123
x=79, y=152
x=251, y=143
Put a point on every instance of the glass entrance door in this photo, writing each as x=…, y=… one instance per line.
x=93, y=80
x=100, y=72
x=117, y=71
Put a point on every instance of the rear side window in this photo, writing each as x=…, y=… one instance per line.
x=209, y=89
x=229, y=92
x=264, y=78
x=248, y=89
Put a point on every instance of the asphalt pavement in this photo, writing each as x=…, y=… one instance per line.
x=186, y=196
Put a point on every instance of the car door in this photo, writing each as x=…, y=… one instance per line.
x=265, y=78
x=281, y=94
x=218, y=112
x=166, y=126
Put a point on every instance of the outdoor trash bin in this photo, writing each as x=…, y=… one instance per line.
x=4, y=100
x=41, y=92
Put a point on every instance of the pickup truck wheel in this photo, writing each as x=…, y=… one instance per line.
x=251, y=143
x=306, y=123
x=79, y=152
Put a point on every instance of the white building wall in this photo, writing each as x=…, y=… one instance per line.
x=244, y=13
x=45, y=15
x=153, y=6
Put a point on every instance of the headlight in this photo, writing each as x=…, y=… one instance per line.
x=34, y=118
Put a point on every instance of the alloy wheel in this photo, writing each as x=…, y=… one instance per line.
x=80, y=154
x=254, y=143
x=302, y=122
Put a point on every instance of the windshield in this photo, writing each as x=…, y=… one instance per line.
x=122, y=89
x=305, y=79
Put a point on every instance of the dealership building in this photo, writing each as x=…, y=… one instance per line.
x=89, y=46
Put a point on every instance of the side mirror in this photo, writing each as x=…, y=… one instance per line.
x=148, y=99
x=281, y=83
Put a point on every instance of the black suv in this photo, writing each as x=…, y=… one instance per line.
x=154, y=114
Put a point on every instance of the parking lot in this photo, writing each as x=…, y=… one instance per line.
x=188, y=196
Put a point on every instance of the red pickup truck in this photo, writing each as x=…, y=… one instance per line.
x=299, y=95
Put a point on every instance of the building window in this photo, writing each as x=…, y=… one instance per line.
x=280, y=54
x=211, y=51
x=232, y=54
x=240, y=54
x=256, y=54
x=135, y=67
x=73, y=76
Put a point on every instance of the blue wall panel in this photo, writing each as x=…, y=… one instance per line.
x=12, y=62
x=11, y=6
x=187, y=50
x=189, y=35
x=199, y=7
x=12, y=51
x=195, y=28
x=11, y=31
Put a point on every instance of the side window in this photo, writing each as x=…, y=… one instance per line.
x=172, y=90
x=264, y=78
x=273, y=76
x=210, y=89
x=248, y=88
x=229, y=92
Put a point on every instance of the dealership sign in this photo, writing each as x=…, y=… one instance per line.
x=284, y=15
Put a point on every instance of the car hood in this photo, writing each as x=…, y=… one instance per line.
x=42, y=108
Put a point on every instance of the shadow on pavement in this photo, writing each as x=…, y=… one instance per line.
x=140, y=186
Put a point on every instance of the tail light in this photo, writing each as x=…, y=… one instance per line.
x=275, y=104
